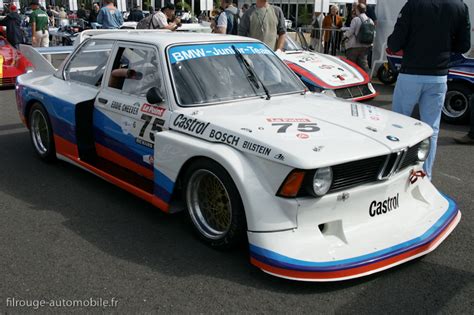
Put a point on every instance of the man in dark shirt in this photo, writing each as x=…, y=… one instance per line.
x=13, y=23
x=81, y=13
x=136, y=15
x=428, y=31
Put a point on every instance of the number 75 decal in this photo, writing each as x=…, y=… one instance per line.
x=156, y=126
x=303, y=127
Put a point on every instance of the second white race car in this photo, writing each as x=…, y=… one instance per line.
x=334, y=76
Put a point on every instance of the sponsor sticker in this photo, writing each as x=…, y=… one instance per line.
x=189, y=52
x=382, y=207
x=154, y=110
x=302, y=136
x=292, y=120
x=354, y=110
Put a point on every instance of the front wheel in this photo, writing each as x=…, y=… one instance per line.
x=386, y=75
x=41, y=133
x=457, y=109
x=214, y=205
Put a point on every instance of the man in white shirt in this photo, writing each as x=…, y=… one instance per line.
x=160, y=19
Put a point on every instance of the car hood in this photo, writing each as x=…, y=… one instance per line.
x=303, y=131
x=323, y=70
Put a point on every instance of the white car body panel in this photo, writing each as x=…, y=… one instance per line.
x=329, y=69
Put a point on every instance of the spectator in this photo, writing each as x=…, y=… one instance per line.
x=370, y=11
x=160, y=19
x=62, y=13
x=51, y=14
x=109, y=16
x=244, y=9
x=356, y=51
x=81, y=13
x=13, y=24
x=93, y=15
x=136, y=15
x=266, y=23
x=228, y=19
x=39, y=26
x=371, y=14
x=428, y=31
x=331, y=23
x=316, y=30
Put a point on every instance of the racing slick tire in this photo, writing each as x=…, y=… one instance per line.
x=457, y=104
x=41, y=133
x=386, y=75
x=214, y=206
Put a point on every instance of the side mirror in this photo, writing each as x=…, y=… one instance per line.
x=153, y=96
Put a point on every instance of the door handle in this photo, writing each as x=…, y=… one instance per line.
x=102, y=100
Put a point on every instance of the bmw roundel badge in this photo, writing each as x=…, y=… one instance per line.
x=393, y=138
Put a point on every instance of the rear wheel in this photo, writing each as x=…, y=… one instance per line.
x=386, y=75
x=41, y=133
x=214, y=205
x=457, y=109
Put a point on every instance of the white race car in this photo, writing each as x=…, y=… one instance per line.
x=323, y=189
x=331, y=75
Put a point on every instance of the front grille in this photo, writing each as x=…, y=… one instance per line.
x=7, y=81
x=351, y=174
x=353, y=91
x=411, y=156
x=355, y=173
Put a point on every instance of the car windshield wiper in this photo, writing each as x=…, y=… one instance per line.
x=252, y=76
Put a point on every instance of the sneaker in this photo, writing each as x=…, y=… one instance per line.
x=464, y=140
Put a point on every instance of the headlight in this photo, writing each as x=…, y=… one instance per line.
x=424, y=149
x=322, y=181
x=329, y=93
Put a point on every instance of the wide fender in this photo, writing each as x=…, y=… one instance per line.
x=256, y=179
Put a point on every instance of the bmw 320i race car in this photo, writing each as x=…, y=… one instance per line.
x=334, y=76
x=323, y=189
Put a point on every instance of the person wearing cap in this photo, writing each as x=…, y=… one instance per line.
x=13, y=23
x=109, y=16
x=39, y=26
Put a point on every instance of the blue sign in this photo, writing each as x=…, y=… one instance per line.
x=188, y=52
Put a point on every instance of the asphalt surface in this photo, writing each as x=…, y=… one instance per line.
x=66, y=234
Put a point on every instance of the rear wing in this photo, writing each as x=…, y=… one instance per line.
x=39, y=62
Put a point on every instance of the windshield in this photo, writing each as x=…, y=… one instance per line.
x=213, y=73
x=292, y=45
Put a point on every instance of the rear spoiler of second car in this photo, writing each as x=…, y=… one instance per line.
x=39, y=62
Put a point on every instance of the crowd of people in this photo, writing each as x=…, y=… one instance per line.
x=423, y=75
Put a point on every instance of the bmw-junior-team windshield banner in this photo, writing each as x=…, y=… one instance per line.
x=182, y=53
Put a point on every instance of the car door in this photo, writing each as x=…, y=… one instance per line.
x=124, y=123
x=75, y=89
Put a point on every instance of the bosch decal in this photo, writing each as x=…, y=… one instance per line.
x=224, y=137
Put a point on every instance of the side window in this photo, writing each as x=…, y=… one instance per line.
x=135, y=71
x=88, y=64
